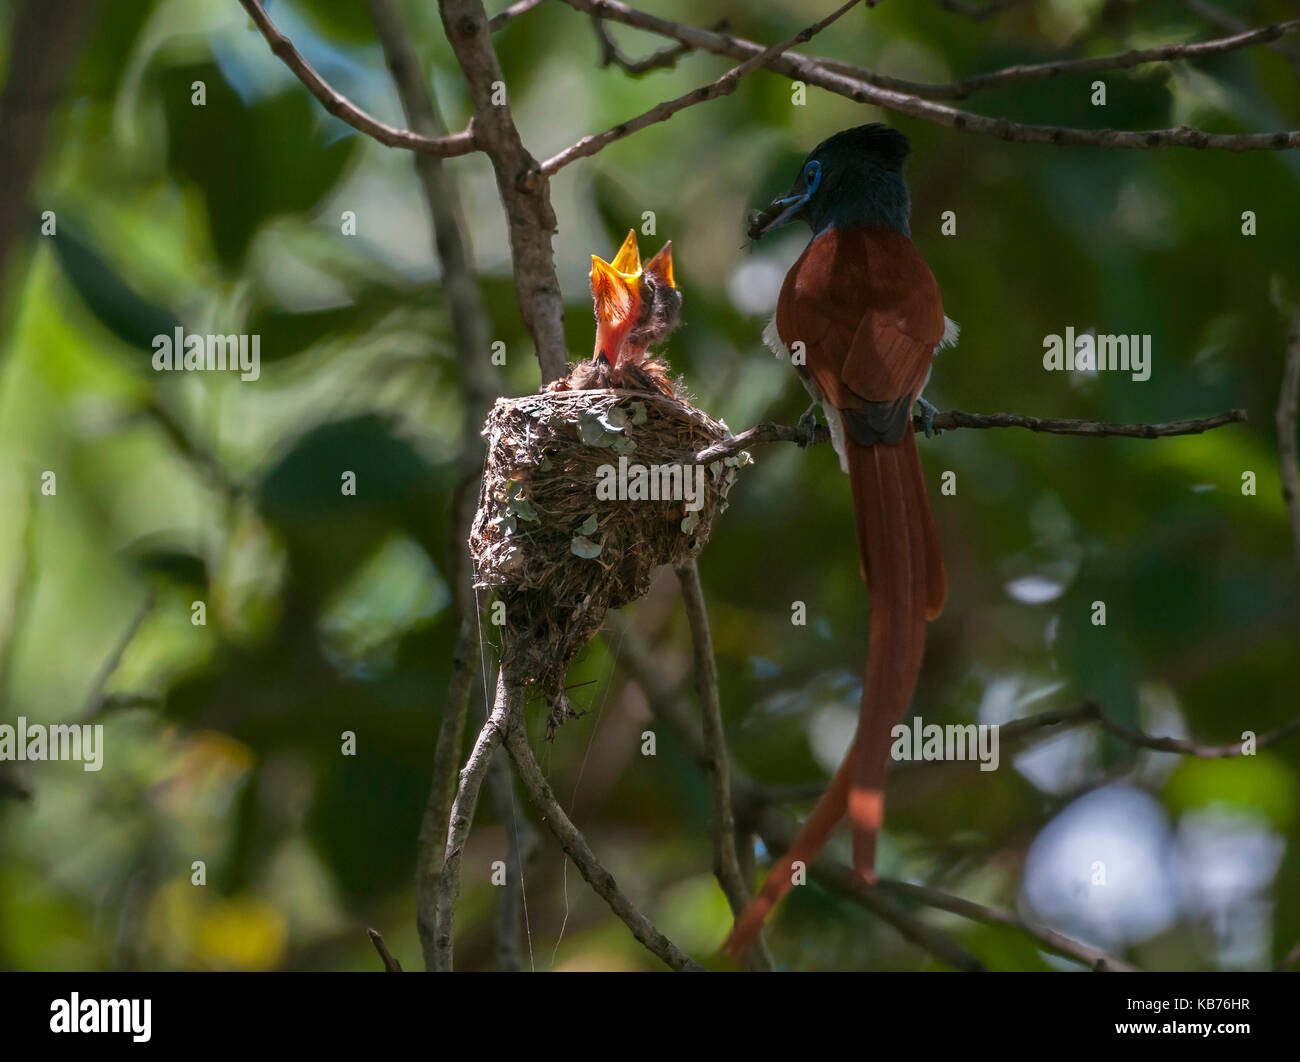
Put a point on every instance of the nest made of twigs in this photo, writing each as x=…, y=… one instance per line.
x=553, y=543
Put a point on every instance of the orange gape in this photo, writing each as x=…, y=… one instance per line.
x=867, y=310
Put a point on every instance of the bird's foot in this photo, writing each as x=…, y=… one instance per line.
x=808, y=426
x=928, y=412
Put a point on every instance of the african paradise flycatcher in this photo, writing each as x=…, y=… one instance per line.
x=864, y=310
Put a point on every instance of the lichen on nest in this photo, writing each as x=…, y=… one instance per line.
x=585, y=493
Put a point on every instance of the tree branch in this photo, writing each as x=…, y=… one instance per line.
x=1216, y=16
x=521, y=844
x=470, y=332
x=525, y=195
x=810, y=70
x=1289, y=464
x=1091, y=712
x=663, y=59
x=726, y=861
x=723, y=86
x=391, y=965
x=341, y=107
x=769, y=432
x=1097, y=959
x=775, y=828
x=965, y=87
x=506, y=713
x=511, y=13
x=577, y=849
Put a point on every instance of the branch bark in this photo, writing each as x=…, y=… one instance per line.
x=723, y=86
x=577, y=849
x=341, y=107
x=768, y=432
x=478, y=387
x=506, y=713
x=524, y=194
x=726, y=860
x=811, y=71
x=964, y=88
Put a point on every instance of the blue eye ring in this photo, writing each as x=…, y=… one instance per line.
x=812, y=176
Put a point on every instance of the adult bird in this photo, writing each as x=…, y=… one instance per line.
x=860, y=317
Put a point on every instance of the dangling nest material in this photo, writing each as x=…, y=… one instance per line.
x=562, y=537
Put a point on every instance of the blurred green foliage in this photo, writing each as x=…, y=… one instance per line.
x=329, y=613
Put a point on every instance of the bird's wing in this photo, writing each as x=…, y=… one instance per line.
x=868, y=311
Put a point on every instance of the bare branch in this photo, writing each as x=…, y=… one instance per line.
x=1097, y=959
x=521, y=845
x=469, y=326
x=1289, y=464
x=341, y=107
x=431, y=842
x=768, y=432
x=723, y=86
x=1216, y=16
x=577, y=849
x=511, y=13
x=99, y=700
x=663, y=59
x=391, y=965
x=1090, y=711
x=775, y=828
x=963, y=88
x=525, y=194
x=810, y=70
x=726, y=861
x=507, y=712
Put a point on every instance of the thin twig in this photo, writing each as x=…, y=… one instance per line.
x=726, y=861
x=391, y=965
x=663, y=59
x=98, y=699
x=775, y=828
x=1289, y=464
x=1216, y=16
x=809, y=70
x=1019, y=732
x=577, y=849
x=965, y=87
x=769, y=432
x=431, y=842
x=1095, y=958
x=723, y=86
x=521, y=844
x=341, y=107
x=511, y=13
x=507, y=712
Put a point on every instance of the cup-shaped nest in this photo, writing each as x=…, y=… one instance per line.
x=584, y=495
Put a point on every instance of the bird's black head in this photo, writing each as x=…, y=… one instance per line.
x=854, y=178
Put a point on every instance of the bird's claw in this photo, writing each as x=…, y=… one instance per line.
x=928, y=412
x=808, y=426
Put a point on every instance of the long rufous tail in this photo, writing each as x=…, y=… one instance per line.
x=903, y=566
